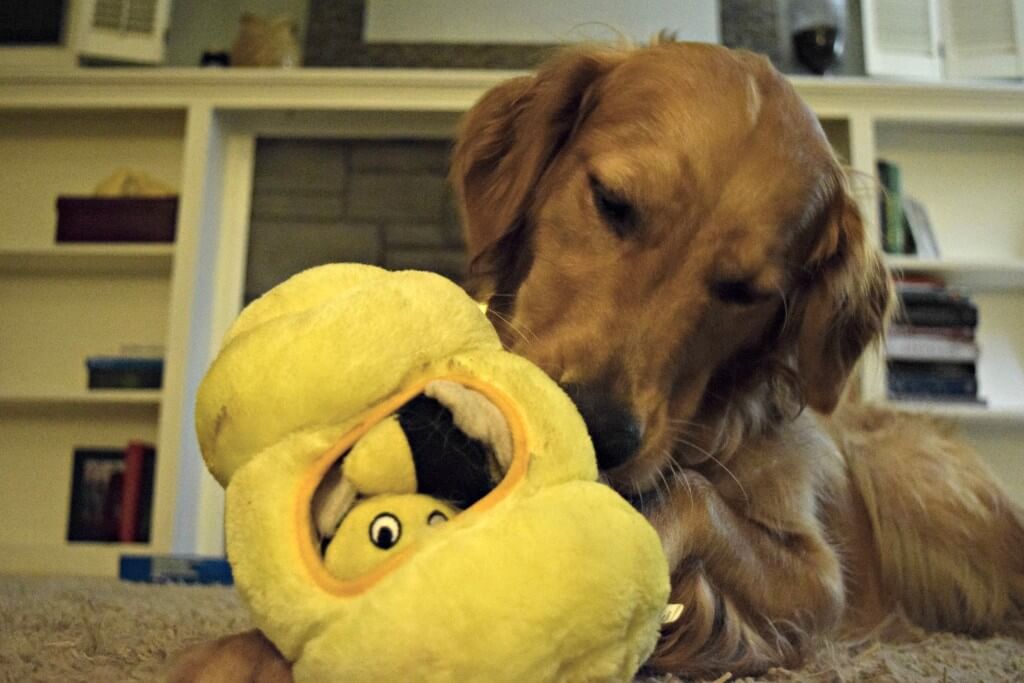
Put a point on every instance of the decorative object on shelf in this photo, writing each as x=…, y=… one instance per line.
x=314, y=448
x=112, y=494
x=128, y=206
x=124, y=372
x=126, y=182
x=829, y=31
x=215, y=58
x=189, y=569
x=818, y=29
x=931, y=352
x=266, y=42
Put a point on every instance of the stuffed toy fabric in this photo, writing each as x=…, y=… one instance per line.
x=407, y=501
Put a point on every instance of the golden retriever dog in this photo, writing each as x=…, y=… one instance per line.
x=666, y=231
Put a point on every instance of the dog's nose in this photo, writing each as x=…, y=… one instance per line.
x=615, y=431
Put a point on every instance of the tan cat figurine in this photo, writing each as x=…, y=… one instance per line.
x=266, y=42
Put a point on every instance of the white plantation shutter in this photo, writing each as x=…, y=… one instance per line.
x=901, y=38
x=125, y=30
x=984, y=38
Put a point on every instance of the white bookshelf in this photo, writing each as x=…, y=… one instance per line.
x=967, y=170
x=961, y=147
x=65, y=302
x=88, y=258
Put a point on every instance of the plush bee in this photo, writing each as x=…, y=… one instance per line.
x=408, y=501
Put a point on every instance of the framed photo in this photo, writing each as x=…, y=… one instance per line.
x=97, y=483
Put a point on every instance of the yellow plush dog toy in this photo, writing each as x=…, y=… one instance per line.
x=407, y=501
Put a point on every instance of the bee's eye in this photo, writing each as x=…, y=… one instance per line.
x=385, y=530
x=616, y=212
x=436, y=517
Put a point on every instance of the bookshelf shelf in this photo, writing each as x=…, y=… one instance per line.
x=974, y=274
x=73, y=558
x=110, y=398
x=969, y=414
x=85, y=259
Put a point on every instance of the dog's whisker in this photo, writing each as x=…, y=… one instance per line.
x=710, y=455
x=514, y=327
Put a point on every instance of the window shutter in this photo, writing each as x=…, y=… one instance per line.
x=901, y=38
x=123, y=30
x=984, y=38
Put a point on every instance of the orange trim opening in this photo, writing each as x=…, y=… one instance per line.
x=302, y=523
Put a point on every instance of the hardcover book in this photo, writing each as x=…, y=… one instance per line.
x=894, y=240
x=926, y=347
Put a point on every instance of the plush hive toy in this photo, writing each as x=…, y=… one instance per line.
x=407, y=501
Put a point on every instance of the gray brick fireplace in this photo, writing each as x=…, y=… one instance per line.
x=384, y=202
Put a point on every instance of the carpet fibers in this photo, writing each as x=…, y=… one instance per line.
x=76, y=629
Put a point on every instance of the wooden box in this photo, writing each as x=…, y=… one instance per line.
x=128, y=219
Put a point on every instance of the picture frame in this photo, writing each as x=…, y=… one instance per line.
x=97, y=482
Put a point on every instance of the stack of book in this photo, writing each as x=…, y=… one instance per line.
x=931, y=352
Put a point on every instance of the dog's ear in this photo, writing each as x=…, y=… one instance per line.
x=847, y=307
x=504, y=145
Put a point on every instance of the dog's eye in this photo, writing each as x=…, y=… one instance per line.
x=616, y=212
x=736, y=292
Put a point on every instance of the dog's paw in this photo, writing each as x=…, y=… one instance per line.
x=242, y=658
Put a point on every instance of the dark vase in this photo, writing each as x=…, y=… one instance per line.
x=817, y=47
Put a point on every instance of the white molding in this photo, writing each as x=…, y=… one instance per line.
x=453, y=91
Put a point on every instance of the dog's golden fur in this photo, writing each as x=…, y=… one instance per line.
x=670, y=225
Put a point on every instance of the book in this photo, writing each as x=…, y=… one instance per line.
x=953, y=333
x=917, y=226
x=929, y=291
x=928, y=347
x=891, y=208
x=124, y=372
x=932, y=389
x=929, y=303
x=931, y=380
x=938, y=316
x=191, y=569
x=137, y=492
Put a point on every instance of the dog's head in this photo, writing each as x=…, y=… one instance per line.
x=667, y=231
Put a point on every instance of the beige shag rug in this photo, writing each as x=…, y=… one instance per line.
x=75, y=629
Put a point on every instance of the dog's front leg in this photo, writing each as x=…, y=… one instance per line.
x=753, y=588
x=241, y=658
